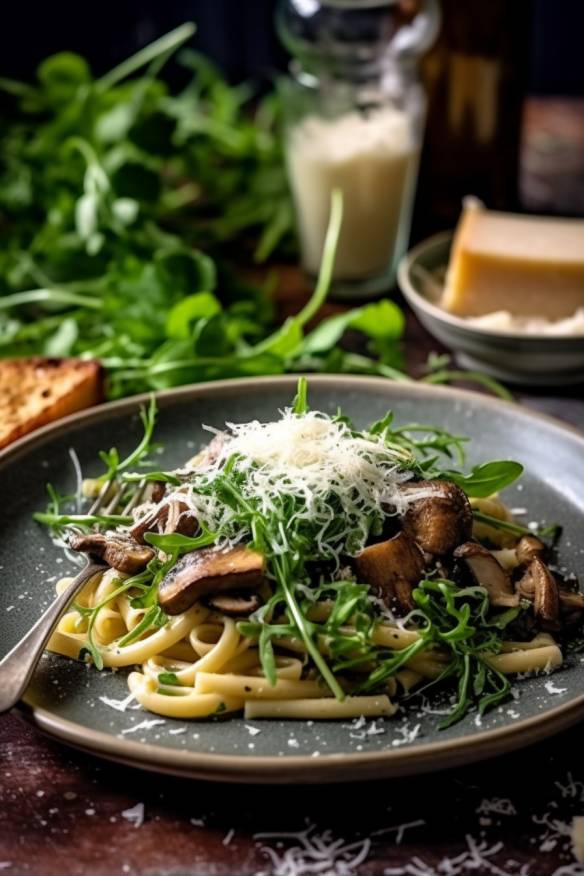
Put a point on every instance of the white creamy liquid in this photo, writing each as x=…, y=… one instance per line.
x=373, y=160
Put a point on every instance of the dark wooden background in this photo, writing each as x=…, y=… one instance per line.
x=63, y=812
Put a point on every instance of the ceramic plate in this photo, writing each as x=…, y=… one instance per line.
x=73, y=702
x=516, y=357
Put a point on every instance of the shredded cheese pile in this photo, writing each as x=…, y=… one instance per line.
x=309, y=457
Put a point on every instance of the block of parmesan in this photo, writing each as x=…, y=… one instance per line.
x=37, y=391
x=529, y=266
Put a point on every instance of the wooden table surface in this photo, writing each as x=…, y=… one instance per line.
x=62, y=812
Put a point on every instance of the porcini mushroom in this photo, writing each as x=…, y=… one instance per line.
x=488, y=573
x=528, y=547
x=439, y=516
x=392, y=569
x=539, y=585
x=172, y=516
x=210, y=570
x=234, y=604
x=118, y=551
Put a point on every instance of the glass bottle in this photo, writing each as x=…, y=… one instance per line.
x=354, y=113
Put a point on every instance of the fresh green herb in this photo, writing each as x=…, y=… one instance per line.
x=156, y=570
x=57, y=520
x=92, y=613
x=420, y=446
x=168, y=678
x=300, y=403
x=125, y=204
x=114, y=465
x=446, y=616
x=440, y=373
x=54, y=521
x=54, y=511
x=487, y=478
x=552, y=531
x=176, y=544
x=154, y=617
x=162, y=477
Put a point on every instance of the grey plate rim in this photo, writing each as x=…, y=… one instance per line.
x=354, y=766
x=418, y=301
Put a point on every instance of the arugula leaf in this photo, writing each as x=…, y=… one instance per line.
x=90, y=646
x=90, y=649
x=111, y=458
x=154, y=617
x=552, y=531
x=164, y=477
x=201, y=305
x=381, y=320
x=469, y=645
x=300, y=402
x=57, y=520
x=286, y=342
x=487, y=478
x=174, y=543
x=168, y=678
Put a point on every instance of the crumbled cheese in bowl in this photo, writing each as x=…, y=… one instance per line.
x=503, y=321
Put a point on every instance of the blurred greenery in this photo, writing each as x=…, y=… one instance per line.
x=119, y=202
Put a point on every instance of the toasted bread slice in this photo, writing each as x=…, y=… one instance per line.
x=37, y=391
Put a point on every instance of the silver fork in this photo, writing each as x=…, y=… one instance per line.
x=17, y=667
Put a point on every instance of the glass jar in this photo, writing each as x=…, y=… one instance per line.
x=354, y=113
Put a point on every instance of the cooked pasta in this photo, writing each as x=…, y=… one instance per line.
x=223, y=673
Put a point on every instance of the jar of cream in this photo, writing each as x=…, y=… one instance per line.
x=354, y=112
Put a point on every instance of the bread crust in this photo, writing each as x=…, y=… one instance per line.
x=36, y=391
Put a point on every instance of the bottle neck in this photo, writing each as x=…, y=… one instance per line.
x=366, y=83
x=357, y=42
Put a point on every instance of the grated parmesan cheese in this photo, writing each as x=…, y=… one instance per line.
x=552, y=689
x=313, y=852
x=308, y=457
x=496, y=806
x=148, y=724
x=360, y=730
x=118, y=705
x=135, y=815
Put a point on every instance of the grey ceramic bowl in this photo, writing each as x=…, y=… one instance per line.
x=518, y=358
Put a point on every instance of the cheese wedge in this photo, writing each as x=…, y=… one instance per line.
x=525, y=265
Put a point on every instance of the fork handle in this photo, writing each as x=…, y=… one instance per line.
x=17, y=667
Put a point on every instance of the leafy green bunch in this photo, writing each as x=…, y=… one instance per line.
x=123, y=206
x=114, y=193
x=117, y=197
